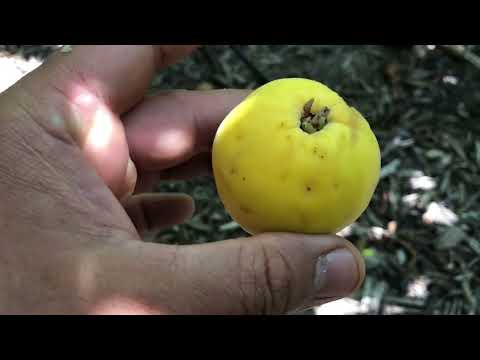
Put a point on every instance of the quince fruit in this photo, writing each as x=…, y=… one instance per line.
x=295, y=157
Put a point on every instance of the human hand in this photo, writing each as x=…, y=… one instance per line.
x=81, y=146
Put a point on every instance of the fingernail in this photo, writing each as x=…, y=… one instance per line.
x=336, y=275
x=131, y=173
x=130, y=180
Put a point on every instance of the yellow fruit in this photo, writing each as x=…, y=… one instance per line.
x=280, y=168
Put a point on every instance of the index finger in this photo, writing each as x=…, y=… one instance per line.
x=174, y=126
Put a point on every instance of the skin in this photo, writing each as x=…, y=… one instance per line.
x=81, y=146
x=273, y=176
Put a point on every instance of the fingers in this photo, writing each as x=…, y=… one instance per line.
x=271, y=273
x=155, y=212
x=82, y=93
x=267, y=274
x=172, y=127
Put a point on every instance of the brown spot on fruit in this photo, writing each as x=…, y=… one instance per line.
x=243, y=178
x=309, y=188
x=245, y=209
x=233, y=171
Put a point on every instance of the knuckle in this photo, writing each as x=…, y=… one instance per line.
x=247, y=285
x=266, y=279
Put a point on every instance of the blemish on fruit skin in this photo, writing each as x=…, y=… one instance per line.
x=303, y=218
x=233, y=171
x=243, y=178
x=245, y=209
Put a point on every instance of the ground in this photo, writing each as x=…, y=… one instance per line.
x=420, y=233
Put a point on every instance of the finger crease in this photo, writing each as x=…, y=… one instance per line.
x=269, y=285
x=243, y=293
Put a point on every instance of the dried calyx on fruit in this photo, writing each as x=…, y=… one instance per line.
x=310, y=122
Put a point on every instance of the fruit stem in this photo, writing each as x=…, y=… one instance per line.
x=310, y=122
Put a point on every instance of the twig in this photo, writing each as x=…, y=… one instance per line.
x=404, y=302
x=461, y=52
x=261, y=78
x=468, y=294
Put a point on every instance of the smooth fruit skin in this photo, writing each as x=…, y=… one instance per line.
x=273, y=177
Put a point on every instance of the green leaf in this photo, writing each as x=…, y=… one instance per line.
x=368, y=252
x=450, y=238
x=390, y=168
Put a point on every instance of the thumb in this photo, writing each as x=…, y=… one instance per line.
x=266, y=274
